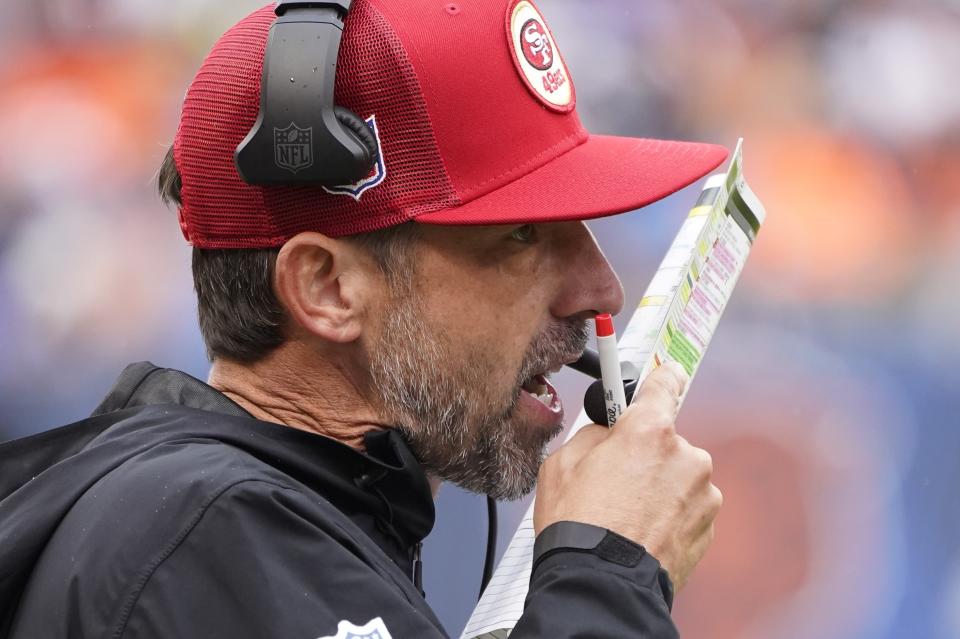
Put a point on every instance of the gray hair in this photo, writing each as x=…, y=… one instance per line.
x=240, y=316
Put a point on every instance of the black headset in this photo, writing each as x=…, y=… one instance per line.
x=300, y=136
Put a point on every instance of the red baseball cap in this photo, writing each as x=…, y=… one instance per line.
x=474, y=110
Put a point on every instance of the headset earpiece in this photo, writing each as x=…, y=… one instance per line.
x=360, y=129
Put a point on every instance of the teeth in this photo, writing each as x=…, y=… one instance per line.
x=535, y=386
x=538, y=388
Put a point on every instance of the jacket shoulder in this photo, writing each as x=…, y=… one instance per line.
x=153, y=495
x=126, y=523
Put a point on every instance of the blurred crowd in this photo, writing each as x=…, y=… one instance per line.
x=829, y=398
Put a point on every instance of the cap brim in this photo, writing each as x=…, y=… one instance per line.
x=603, y=176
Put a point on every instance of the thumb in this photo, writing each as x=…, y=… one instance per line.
x=660, y=392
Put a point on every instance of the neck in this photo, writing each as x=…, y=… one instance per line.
x=320, y=399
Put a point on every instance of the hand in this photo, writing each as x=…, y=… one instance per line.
x=639, y=479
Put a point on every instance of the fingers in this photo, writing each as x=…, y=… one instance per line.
x=701, y=461
x=708, y=507
x=697, y=550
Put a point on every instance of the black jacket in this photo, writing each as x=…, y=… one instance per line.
x=171, y=512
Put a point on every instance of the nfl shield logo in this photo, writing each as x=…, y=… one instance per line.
x=373, y=629
x=376, y=176
x=293, y=148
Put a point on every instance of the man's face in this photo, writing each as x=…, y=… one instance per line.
x=464, y=347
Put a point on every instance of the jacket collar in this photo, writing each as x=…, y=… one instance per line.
x=386, y=480
x=144, y=384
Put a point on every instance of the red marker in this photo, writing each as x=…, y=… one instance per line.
x=613, y=394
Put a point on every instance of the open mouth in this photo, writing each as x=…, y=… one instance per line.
x=540, y=397
x=543, y=391
x=539, y=388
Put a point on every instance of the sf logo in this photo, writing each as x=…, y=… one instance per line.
x=536, y=45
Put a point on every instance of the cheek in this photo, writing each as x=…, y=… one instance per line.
x=508, y=281
x=489, y=300
x=488, y=317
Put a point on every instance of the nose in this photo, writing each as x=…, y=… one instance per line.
x=589, y=284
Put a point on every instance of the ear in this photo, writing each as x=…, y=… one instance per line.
x=322, y=284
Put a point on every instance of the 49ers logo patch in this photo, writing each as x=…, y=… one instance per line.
x=537, y=58
x=536, y=44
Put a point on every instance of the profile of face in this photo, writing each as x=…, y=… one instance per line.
x=461, y=356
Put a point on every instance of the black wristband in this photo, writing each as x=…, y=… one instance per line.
x=573, y=535
x=567, y=536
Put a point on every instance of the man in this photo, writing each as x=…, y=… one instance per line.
x=369, y=341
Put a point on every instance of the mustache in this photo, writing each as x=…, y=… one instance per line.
x=553, y=346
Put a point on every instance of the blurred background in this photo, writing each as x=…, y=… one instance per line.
x=829, y=398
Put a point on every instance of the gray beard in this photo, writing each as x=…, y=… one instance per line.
x=442, y=407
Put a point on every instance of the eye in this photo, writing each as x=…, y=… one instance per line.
x=524, y=233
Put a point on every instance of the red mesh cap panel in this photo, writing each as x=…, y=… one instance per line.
x=374, y=78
